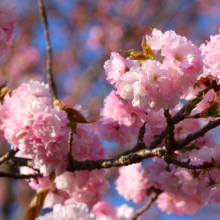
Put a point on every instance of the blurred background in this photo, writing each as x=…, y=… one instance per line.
x=83, y=34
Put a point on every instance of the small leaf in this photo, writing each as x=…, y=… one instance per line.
x=58, y=103
x=211, y=182
x=192, y=104
x=3, y=91
x=202, y=81
x=76, y=115
x=211, y=111
x=37, y=202
x=72, y=125
x=136, y=55
x=196, y=174
x=150, y=52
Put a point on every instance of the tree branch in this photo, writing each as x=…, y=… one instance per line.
x=7, y=156
x=170, y=160
x=116, y=161
x=197, y=134
x=49, y=50
x=148, y=204
x=140, y=144
x=171, y=141
x=20, y=176
x=19, y=161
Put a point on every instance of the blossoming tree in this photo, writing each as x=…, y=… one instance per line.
x=166, y=95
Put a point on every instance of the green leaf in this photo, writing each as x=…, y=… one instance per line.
x=148, y=52
x=202, y=81
x=211, y=182
x=136, y=55
x=192, y=104
x=72, y=125
x=37, y=202
x=196, y=174
x=211, y=111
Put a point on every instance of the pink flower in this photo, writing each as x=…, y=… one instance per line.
x=36, y=127
x=132, y=186
x=158, y=39
x=178, y=204
x=115, y=67
x=184, y=55
x=77, y=211
x=149, y=86
x=128, y=87
x=211, y=55
x=104, y=211
x=80, y=186
x=114, y=133
x=87, y=144
x=206, y=101
x=188, y=181
x=124, y=114
x=162, y=178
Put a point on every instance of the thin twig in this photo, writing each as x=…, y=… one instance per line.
x=199, y=133
x=170, y=160
x=148, y=204
x=140, y=143
x=70, y=140
x=19, y=161
x=20, y=176
x=49, y=49
x=7, y=156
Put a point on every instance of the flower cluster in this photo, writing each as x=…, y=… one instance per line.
x=151, y=84
x=118, y=120
x=33, y=125
x=77, y=211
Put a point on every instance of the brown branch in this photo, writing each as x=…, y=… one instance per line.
x=140, y=144
x=7, y=156
x=199, y=133
x=116, y=161
x=49, y=50
x=171, y=140
x=20, y=176
x=19, y=161
x=148, y=204
x=170, y=160
x=179, y=116
x=70, y=140
x=141, y=134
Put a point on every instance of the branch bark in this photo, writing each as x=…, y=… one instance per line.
x=116, y=161
x=7, y=156
x=49, y=50
x=19, y=176
x=148, y=204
